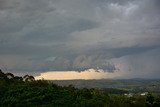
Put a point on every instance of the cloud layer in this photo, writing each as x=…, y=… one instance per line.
x=114, y=35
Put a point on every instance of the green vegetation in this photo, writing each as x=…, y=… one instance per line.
x=27, y=92
x=131, y=85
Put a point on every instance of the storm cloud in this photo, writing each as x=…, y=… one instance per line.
x=54, y=35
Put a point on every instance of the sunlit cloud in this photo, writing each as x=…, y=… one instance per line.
x=70, y=75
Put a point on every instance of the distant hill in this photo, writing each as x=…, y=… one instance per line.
x=132, y=85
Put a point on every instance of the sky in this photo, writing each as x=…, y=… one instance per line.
x=72, y=75
x=118, y=36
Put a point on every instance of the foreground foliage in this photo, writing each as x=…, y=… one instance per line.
x=26, y=92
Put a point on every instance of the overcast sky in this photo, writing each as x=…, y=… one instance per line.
x=55, y=35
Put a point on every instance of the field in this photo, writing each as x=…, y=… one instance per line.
x=130, y=85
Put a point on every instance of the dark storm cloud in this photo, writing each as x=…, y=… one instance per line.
x=60, y=32
x=143, y=65
x=78, y=34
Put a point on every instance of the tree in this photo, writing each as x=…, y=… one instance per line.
x=28, y=78
x=1, y=74
x=149, y=100
x=9, y=75
x=17, y=78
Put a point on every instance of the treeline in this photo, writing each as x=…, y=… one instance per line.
x=27, y=92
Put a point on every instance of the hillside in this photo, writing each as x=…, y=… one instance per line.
x=26, y=92
x=131, y=85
